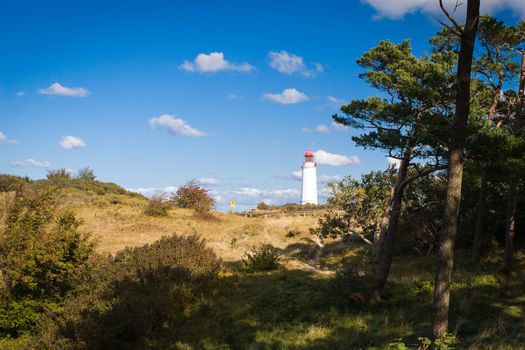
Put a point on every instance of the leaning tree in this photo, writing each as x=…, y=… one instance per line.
x=409, y=121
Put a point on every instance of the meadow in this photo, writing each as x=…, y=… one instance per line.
x=317, y=298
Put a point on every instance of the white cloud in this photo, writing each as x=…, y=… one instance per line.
x=329, y=178
x=323, y=129
x=297, y=175
x=170, y=189
x=219, y=199
x=176, y=126
x=287, y=96
x=5, y=139
x=70, y=142
x=335, y=102
x=234, y=97
x=395, y=9
x=32, y=163
x=20, y=93
x=248, y=191
x=151, y=191
x=288, y=192
x=60, y=90
x=249, y=197
x=339, y=127
x=208, y=181
x=145, y=191
x=213, y=62
x=265, y=194
x=288, y=63
x=326, y=158
x=393, y=161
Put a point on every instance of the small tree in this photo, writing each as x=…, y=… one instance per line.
x=86, y=174
x=262, y=258
x=359, y=206
x=263, y=206
x=157, y=206
x=193, y=196
x=42, y=256
x=59, y=177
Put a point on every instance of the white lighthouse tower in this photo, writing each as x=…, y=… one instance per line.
x=309, y=189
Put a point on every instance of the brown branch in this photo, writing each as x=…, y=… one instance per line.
x=421, y=173
x=450, y=18
x=449, y=28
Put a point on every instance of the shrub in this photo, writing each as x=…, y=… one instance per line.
x=353, y=281
x=157, y=206
x=59, y=177
x=193, y=196
x=262, y=258
x=86, y=174
x=42, y=255
x=263, y=206
x=292, y=233
x=359, y=206
x=11, y=182
x=144, y=295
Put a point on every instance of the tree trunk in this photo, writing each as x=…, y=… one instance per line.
x=479, y=234
x=513, y=181
x=379, y=236
x=388, y=238
x=445, y=261
x=510, y=224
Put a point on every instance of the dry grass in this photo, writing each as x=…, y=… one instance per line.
x=117, y=221
x=115, y=226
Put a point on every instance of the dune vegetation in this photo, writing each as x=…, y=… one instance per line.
x=144, y=288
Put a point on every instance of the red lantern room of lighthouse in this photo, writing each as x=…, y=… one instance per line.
x=309, y=157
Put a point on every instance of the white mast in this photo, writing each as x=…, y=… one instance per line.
x=309, y=189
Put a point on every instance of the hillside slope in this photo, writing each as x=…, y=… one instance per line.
x=303, y=304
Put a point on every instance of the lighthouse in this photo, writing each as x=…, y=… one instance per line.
x=309, y=189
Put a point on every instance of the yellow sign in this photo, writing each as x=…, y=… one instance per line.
x=232, y=204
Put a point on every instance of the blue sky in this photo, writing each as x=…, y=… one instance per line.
x=151, y=94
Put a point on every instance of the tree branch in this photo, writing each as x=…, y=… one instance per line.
x=421, y=173
x=450, y=18
x=450, y=29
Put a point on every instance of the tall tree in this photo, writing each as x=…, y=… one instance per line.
x=445, y=263
x=493, y=67
x=516, y=128
x=410, y=124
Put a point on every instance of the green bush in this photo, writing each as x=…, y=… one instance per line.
x=263, y=206
x=140, y=299
x=11, y=182
x=59, y=177
x=42, y=256
x=193, y=196
x=86, y=174
x=157, y=206
x=262, y=258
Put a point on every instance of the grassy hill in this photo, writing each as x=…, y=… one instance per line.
x=117, y=221
x=316, y=299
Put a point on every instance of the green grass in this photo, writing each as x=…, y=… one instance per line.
x=298, y=309
x=294, y=309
